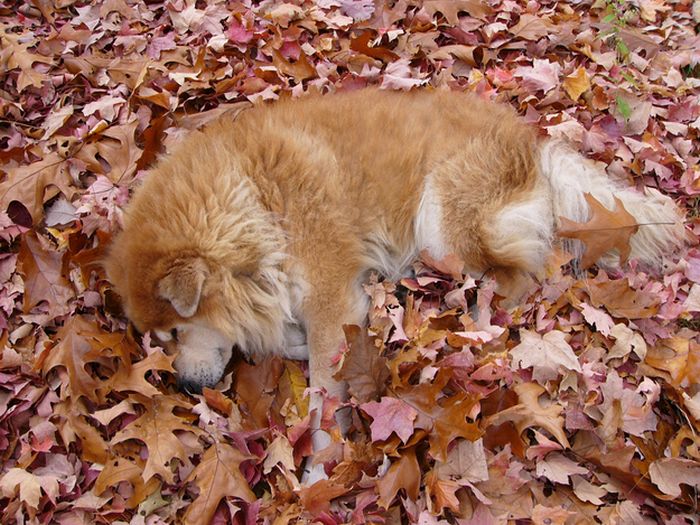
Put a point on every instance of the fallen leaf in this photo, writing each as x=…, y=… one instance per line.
x=156, y=429
x=577, y=83
x=547, y=354
x=605, y=230
x=42, y=269
x=403, y=474
x=390, y=415
x=218, y=476
x=363, y=368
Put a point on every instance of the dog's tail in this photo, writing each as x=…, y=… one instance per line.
x=570, y=176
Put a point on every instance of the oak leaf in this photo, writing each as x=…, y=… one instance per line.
x=72, y=354
x=218, y=476
x=605, y=230
x=43, y=277
x=316, y=499
x=620, y=299
x=402, y=474
x=156, y=429
x=36, y=183
x=363, y=368
x=132, y=378
x=451, y=9
x=530, y=413
x=120, y=469
x=669, y=473
x=441, y=493
x=73, y=426
x=361, y=44
x=444, y=420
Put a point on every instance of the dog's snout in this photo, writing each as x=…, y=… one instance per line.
x=189, y=387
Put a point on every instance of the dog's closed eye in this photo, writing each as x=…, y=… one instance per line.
x=173, y=334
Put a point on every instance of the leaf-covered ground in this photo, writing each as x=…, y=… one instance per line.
x=580, y=406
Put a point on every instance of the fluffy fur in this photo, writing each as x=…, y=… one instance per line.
x=259, y=231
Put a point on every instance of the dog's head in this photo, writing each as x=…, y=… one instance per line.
x=196, y=304
x=171, y=296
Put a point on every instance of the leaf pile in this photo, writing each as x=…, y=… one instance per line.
x=581, y=405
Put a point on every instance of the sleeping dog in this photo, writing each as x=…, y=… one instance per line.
x=259, y=231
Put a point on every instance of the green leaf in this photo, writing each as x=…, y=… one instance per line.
x=623, y=107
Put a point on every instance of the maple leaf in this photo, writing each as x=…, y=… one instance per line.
x=465, y=464
x=218, y=476
x=577, y=83
x=546, y=354
x=606, y=230
x=279, y=452
x=390, y=415
x=156, y=429
x=403, y=474
x=29, y=486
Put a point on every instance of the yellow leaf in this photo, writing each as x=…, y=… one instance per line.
x=577, y=83
x=297, y=385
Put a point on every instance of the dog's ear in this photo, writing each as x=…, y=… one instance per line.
x=183, y=284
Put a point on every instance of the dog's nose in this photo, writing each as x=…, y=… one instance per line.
x=188, y=386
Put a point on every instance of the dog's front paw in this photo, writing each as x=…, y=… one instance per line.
x=312, y=473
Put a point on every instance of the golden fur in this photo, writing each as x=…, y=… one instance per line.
x=261, y=229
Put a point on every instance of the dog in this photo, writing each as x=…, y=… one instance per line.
x=258, y=231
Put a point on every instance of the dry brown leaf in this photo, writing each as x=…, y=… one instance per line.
x=132, y=378
x=360, y=44
x=606, y=230
x=218, y=476
x=451, y=9
x=42, y=270
x=316, y=499
x=620, y=299
x=402, y=474
x=72, y=354
x=577, y=83
x=156, y=429
x=363, y=368
x=120, y=469
x=530, y=413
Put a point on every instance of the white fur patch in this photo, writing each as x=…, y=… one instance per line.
x=525, y=229
x=570, y=175
x=428, y=225
x=203, y=354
